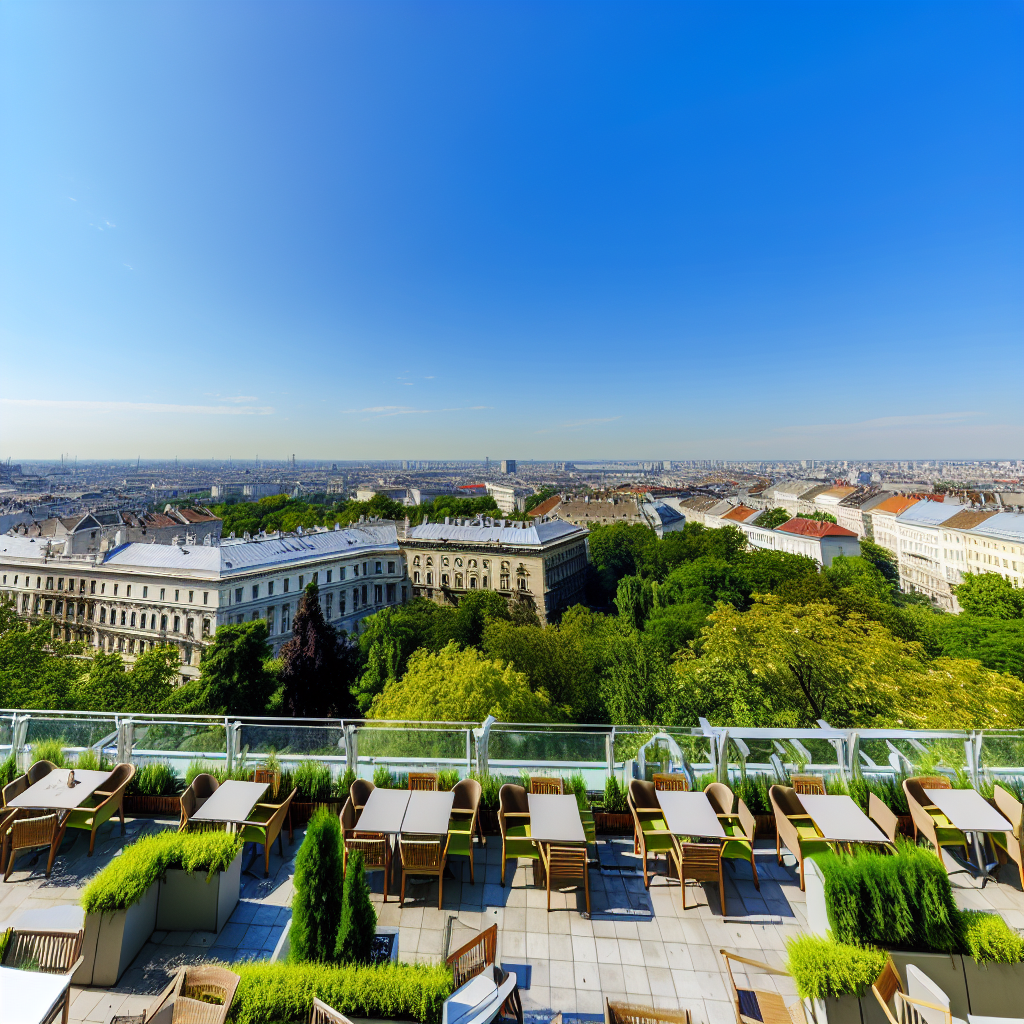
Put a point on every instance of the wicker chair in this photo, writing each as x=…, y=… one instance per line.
x=321, y=1013
x=547, y=784
x=474, y=957
x=700, y=862
x=754, y=1006
x=49, y=952
x=462, y=824
x=514, y=822
x=566, y=864
x=627, y=1013
x=374, y=846
x=650, y=831
x=269, y=776
x=29, y=834
x=39, y=770
x=794, y=827
x=264, y=826
x=425, y=781
x=100, y=807
x=739, y=826
x=360, y=791
x=15, y=788
x=808, y=784
x=928, y=820
x=199, y=791
x=466, y=803
x=885, y=988
x=187, y=991
x=1009, y=845
x=424, y=855
x=883, y=817
x=671, y=781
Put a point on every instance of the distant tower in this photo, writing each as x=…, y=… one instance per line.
x=508, y=466
x=487, y=464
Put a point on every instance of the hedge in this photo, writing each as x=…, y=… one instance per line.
x=824, y=967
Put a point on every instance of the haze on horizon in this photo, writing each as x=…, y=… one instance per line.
x=440, y=230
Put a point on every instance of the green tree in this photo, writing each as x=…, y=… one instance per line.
x=634, y=600
x=316, y=902
x=882, y=559
x=860, y=575
x=818, y=517
x=36, y=670
x=144, y=688
x=673, y=627
x=358, y=918
x=475, y=611
x=766, y=572
x=538, y=498
x=635, y=686
x=706, y=581
x=989, y=595
x=773, y=517
x=617, y=551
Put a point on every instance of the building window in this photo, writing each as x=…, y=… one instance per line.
x=341, y=603
x=103, y=615
x=472, y=583
x=58, y=608
x=206, y=596
x=378, y=594
x=430, y=579
x=487, y=563
x=444, y=561
x=177, y=623
x=415, y=577
x=341, y=573
x=302, y=582
x=92, y=586
x=238, y=595
x=487, y=583
x=444, y=579
x=60, y=583
x=458, y=580
x=330, y=603
x=362, y=595
x=131, y=646
x=128, y=590
x=49, y=583
x=391, y=568
x=189, y=627
x=254, y=616
x=175, y=593
x=162, y=592
x=145, y=592
x=142, y=647
x=286, y=583
x=206, y=627
x=391, y=593
x=255, y=591
x=191, y=595
x=378, y=568
x=163, y=623
x=504, y=583
x=329, y=574
x=286, y=618
x=133, y=618
x=416, y=560
x=430, y=561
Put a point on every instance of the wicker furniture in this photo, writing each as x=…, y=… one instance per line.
x=360, y=791
x=794, y=827
x=189, y=992
x=671, y=781
x=756, y=1006
x=464, y=821
x=627, y=1013
x=374, y=846
x=198, y=792
x=567, y=864
x=474, y=957
x=15, y=788
x=883, y=817
x=321, y=1013
x=427, y=781
x=700, y=862
x=650, y=831
x=885, y=988
x=547, y=784
x=514, y=822
x=270, y=776
x=39, y=770
x=928, y=820
x=1010, y=845
x=49, y=952
x=264, y=826
x=808, y=784
x=424, y=855
x=35, y=996
x=27, y=833
x=739, y=826
x=100, y=807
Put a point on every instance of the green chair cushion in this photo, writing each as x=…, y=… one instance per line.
x=658, y=842
x=953, y=836
x=738, y=848
x=807, y=832
x=654, y=825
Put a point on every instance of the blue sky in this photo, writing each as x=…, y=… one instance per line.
x=451, y=230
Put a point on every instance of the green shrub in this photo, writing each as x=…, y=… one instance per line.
x=313, y=781
x=8, y=770
x=344, y=784
x=218, y=771
x=383, y=779
x=52, y=751
x=576, y=786
x=358, y=918
x=825, y=967
x=490, y=788
x=614, y=797
x=316, y=903
x=753, y=791
x=447, y=779
x=126, y=878
x=283, y=993
x=90, y=761
x=989, y=939
x=157, y=779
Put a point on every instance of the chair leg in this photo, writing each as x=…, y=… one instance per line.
x=778, y=848
x=643, y=851
x=440, y=886
x=291, y=833
x=120, y=810
x=721, y=886
x=387, y=871
x=801, y=874
x=58, y=838
x=10, y=863
x=266, y=858
x=480, y=828
x=280, y=844
x=753, y=870
x=503, y=859
x=401, y=901
x=586, y=885
x=682, y=886
x=92, y=840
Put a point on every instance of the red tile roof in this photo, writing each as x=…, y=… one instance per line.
x=739, y=514
x=896, y=504
x=813, y=528
x=547, y=505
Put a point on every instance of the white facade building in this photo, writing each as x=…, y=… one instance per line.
x=919, y=550
x=983, y=540
x=820, y=541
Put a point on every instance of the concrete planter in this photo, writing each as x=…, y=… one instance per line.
x=613, y=824
x=157, y=806
x=995, y=990
x=304, y=810
x=833, y=1010
x=188, y=903
x=814, y=888
x=113, y=941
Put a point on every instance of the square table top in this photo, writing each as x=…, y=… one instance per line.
x=968, y=810
x=384, y=811
x=427, y=812
x=27, y=997
x=52, y=792
x=840, y=820
x=690, y=814
x=555, y=819
x=232, y=802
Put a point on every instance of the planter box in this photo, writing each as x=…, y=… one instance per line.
x=814, y=891
x=302, y=812
x=905, y=825
x=764, y=826
x=161, y=806
x=113, y=941
x=613, y=824
x=833, y=1010
x=188, y=903
x=995, y=990
x=947, y=971
x=489, y=820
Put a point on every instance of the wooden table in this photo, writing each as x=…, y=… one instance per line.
x=52, y=793
x=690, y=814
x=427, y=812
x=232, y=802
x=840, y=820
x=970, y=812
x=384, y=811
x=555, y=819
x=30, y=997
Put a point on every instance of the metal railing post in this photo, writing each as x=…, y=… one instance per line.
x=232, y=743
x=125, y=739
x=19, y=733
x=351, y=747
x=482, y=737
x=469, y=751
x=723, y=756
x=609, y=751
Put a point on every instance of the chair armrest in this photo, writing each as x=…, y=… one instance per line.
x=766, y=968
x=74, y=967
x=468, y=810
x=516, y=814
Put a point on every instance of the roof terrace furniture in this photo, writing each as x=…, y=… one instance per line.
x=651, y=833
x=192, y=993
x=671, y=781
x=924, y=1002
x=566, y=864
x=969, y=811
x=883, y=817
x=462, y=823
x=100, y=807
x=33, y=997
x=360, y=791
x=383, y=811
x=15, y=788
x=423, y=855
x=231, y=803
x=40, y=770
x=840, y=820
x=808, y=784
x=474, y=957
x=739, y=825
x=514, y=822
x=27, y=833
x=794, y=827
x=427, y=781
x=264, y=826
x=1010, y=844
x=199, y=790
x=53, y=953
x=374, y=846
x=321, y=1013
x=885, y=987
x=699, y=862
x=928, y=820
x=694, y=815
x=428, y=813
x=757, y=1006
x=483, y=997
x=628, y=1013
x=272, y=777
x=546, y=784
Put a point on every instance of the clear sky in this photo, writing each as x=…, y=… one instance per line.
x=528, y=230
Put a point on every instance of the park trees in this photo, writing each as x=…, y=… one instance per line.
x=773, y=517
x=109, y=685
x=990, y=595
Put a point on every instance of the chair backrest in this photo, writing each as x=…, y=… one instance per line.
x=421, y=852
x=474, y=957
x=374, y=848
x=785, y=801
x=642, y=794
x=188, y=803
x=930, y=1004
x=721, y=797
x=27, y=833
x=119, y=778
x=546, y=784
x=886, y=985
x=51, y=952
x=15, y=788
x=426, y=781
x=567, y=861
x=321, y=1013
x=883, y=817
x=360, y=791
x=627, y=1013
x=747, y=820
x=466, y=794
x=204, y=786
x=808, y=784
x=269, y=776
x=674, y=781
x=39, y=771
x=205, y=981
x=1010, y=808
x=347, y=816
x=513, y=798
x=915, y=788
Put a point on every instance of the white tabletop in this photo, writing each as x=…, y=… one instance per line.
x=690, y=814
x=231, y=802
x=973, y=1018
x=384, y=811
x=52, y=792
x=27, y=997
x=968, y=810
x=427, y=813
x=555, y=818
x=840, y=820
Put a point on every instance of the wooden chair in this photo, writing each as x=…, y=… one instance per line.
x=201, y=788
x=514, y=822
x=49, y=952
x=425, y=781
x=808, y=784
x=628, y=1013
x=360, y=791
x=270, y=776
x=883, y=817
x=885, y=988
x=928, y=820
x=1009, y=845
x=700, y=862
x=547, y=784
x=100, y=807
x=671, y=781
x=466, y=798
x=464, y=822
x=39, y=770
x=754, y=1006
x=15, y=788
x=650, y=831
x=190, y=991
x=374, y=846
x=566, y=864
x=424, y=855
x=474, y=957
x=264, y=826
x=739, y=826
x=27, y=833
x=321, y=1013
x=794, y=827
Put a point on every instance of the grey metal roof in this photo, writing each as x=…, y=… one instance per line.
x=1004, y=525
x=929, y=513
x=533, y=535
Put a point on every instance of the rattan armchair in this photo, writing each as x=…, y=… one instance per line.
x=464, y=821
x=201, y=788
x=25, y=833
x=882, y=816
x=754, y=1006
x=474, y=957
x=547, y=784
x=808, y=784
x=424, y=855
x=671, y=781
x=566, y=864
x=650, y=831
x=100, y=807
x=264, y=826
x=739, y=825
x=321, y=1013
x=794, y=827
x=699, y=862
x=15, y=788
x=271, y=777
x=49, y=952
x=360, y=791
x=928, y=820
x=627, y=1013
x=425, y=781
x=188, y=994
x=1009, y=845
x=39, y=770
x=514, y=822
x=374, y=846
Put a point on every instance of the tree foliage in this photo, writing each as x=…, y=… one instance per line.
x=316, y=902
x=990, y=595
x=358, y=918
x=773, y=517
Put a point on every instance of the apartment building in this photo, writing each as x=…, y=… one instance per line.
x=852, y=510
x=821, y=541
x=983, y=540
x=919, y=530
x=882, y=521
x=140, y=595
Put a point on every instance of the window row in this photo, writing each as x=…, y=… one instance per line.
x=100, y=587
x=257, y=591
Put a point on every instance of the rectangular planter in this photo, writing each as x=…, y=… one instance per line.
x=188, y=903
x=113, y=941
x=613, y=824
x=947, y=971
x=995, y=990
x=303, y=811
x=833, y=1010
x=158, y=806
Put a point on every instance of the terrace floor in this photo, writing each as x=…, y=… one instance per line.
x=638, y=946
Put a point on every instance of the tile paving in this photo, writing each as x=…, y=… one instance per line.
x=637, y=946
